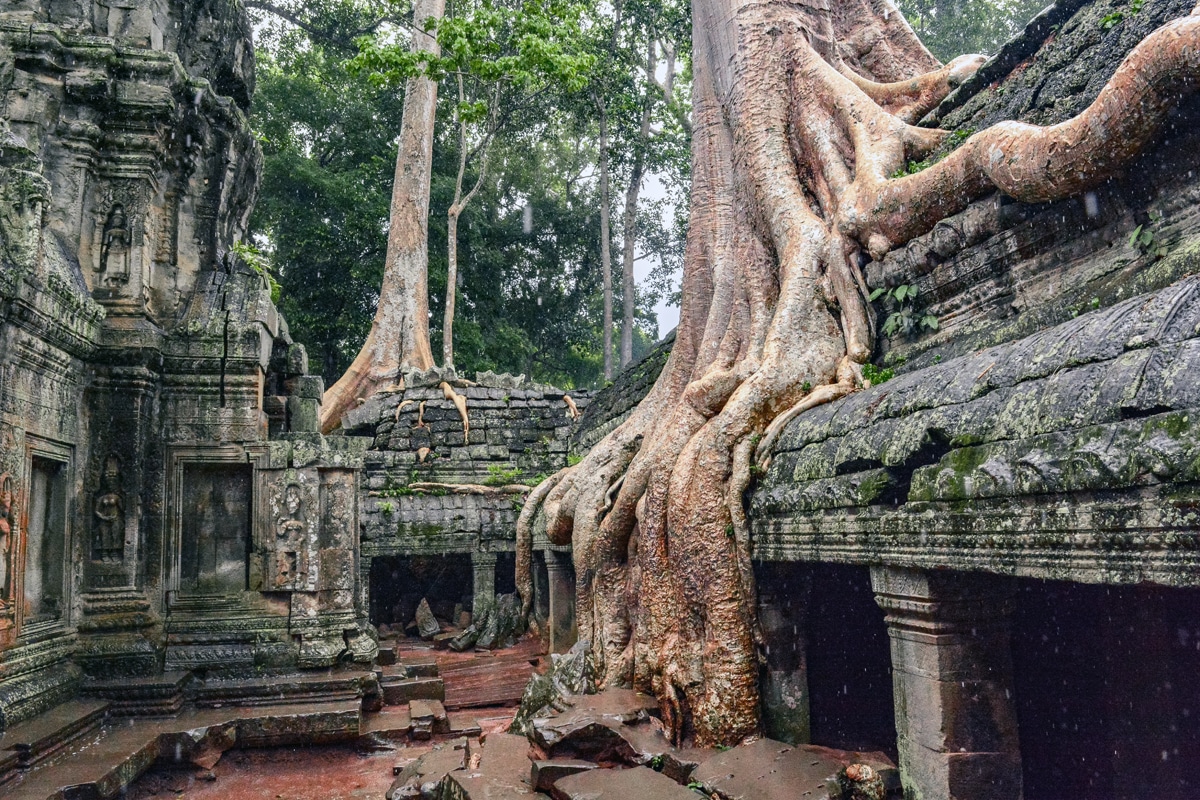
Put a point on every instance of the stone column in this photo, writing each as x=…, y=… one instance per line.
x=484, y=590
x=783, y=597
x=956, y=721
x=563, y=633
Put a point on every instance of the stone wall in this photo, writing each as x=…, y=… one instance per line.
x=165, y=502
x=436, y=487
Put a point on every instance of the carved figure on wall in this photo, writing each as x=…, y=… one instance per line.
x=108, y=537
x=115, y=247
x=23, y=195
x=8, y=516
x=290, y=530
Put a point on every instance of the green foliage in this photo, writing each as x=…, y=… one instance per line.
x=387, y=509
x=573, y=459
x=1109, y=21
x=498, y=475
x=877, y=375
x=256, y=260
x=1145, y=241
x=529, y=292
x=912, y=168
x=950, y=28
x=902, y=318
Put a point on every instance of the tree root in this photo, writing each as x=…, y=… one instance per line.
x=801, y=117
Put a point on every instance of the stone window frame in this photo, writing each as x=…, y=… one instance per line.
x=179, y=457
x=64, y=454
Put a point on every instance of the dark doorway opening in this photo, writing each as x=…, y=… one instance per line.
x=398, y=583
x=1107, y=696
x=849, y=662
x=506, y=573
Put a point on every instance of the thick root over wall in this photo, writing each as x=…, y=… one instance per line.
x=801, y=114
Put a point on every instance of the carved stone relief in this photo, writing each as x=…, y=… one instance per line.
x=215, y=528
x=23, y=196
x=108, y=525
x=288, y=536
x=115, y=248
x=8, y=529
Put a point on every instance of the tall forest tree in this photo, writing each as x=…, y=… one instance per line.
x=399, y=335
x=803, y=123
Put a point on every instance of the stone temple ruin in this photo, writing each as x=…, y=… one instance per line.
x=985, y=567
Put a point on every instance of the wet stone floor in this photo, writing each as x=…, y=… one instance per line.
x=286, y=773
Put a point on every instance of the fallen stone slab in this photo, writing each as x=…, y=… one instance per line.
x=638, y=783
x=612, y=708
x=771, y=770
x=503, y=771
x=423, y=777
x=546, y=772
x=427, y=624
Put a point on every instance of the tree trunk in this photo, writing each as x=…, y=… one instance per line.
x=794, y=148
x=457, y=207
x=399, y=336
x=605, y=240
x=629, y=223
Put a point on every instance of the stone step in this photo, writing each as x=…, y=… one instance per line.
x=462, y=724
x=429, y=718
x=393, y=724
x=118, y=755
x=638, y=783
x=296, y=688
x=46, y=734
x=152, y=696
x=401, y=691
x=387, y=655
x=419, y=666
x=773, y=770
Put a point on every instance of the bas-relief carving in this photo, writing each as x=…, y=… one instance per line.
x=215, y=528
x=108, y=531
x=24, y=193
x=115, y=247
x=288, y=543
x=8, y=530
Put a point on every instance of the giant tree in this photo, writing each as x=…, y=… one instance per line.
x=803, y=121
x=399, y=335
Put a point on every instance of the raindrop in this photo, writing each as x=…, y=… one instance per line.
x=1091, y=204
x=527, y=219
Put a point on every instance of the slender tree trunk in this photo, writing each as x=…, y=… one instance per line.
x=399, y=336
x=452, y=216
x=605, y=238
x=629, y=222
x=802, y=116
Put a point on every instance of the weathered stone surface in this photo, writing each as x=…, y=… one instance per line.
x=423, y=778
x=614, y=726
x=638, y=783
x=427, y=624
x=503, y=771
x=545, y=773
x=772, y=770
x=570, y=674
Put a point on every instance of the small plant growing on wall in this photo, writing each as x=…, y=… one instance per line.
x=902, y=318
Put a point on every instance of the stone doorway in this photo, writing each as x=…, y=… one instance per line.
x=1107, y=698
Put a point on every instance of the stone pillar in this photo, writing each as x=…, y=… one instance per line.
x=783, y=597
x=563, y=633
x=484, y=588
x=956, y=721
